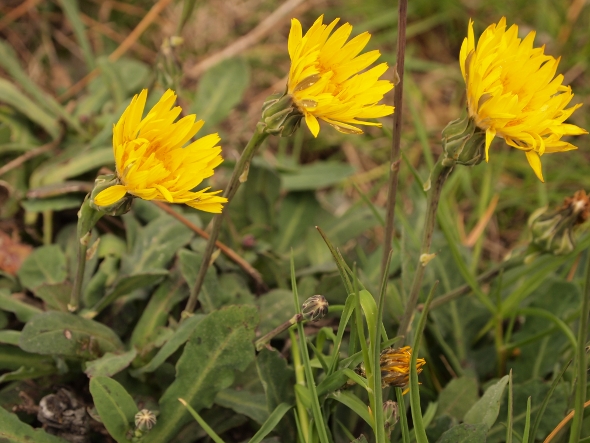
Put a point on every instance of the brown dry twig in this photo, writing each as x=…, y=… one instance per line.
x=248, y=40
x=562, y=424
x=230, y=253
x=29, y=155
x=122, y=49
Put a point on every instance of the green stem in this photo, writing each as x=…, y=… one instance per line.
x=300, y=380
x=47, y=227
x=438, y=177
x=259, y=344
x=239, y=176
x=582, y=366
x=87, y=218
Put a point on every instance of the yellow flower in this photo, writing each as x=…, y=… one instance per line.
x=325, y=79
x=512, y=92
x=152, y=161
x=395, y=366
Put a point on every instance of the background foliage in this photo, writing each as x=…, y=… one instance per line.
x=130, y=344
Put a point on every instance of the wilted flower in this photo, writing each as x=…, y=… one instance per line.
x=152, y=161
x=145, y=420
x=395, y=366
x=326, y=79
x=315, y=308
x=512, y=93
x=552, y=231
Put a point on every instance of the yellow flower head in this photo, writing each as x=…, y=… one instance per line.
x=512, y=92
x=395, y=366
x=152, y=161
x=325, y=79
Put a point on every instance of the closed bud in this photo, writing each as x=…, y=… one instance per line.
x=390, y=415
x=315, y=308
x=145, y=420
x=280, y=116
x=120, y=207
x=552, y=231
x=463, y=143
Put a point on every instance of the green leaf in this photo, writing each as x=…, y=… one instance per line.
x=68, y=335
x=487, y=408
x=209, y=297
x=71, y=164
x=457, y=397
x=353, y=402
x=181, y=335
x=23, y=311
x=58, y=203
x=12, y=430
x=10, y=95
x=250, y=404
x=275, y=308
x=70, y=7
x=12, y=358
x=220, y=89
x=220, y=344
x=9, y=337
x=110, y=364
x=46, y=264
x=316, y=176
x=115, y=406
x=271, y=422
x=56, y=296
x=465, y=433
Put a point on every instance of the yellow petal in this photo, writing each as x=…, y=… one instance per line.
x=535, y=162
x=490, y=134
x=312, y=124
x=110, y=195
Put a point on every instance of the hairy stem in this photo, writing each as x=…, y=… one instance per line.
x=239, y=176
x=397, y=123
x=438, y=176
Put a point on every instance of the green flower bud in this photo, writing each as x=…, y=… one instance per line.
x=552, y=231
x=120, y=207
x=280, y=116
x=390, y=415
x=463, y=143
x=315, y=308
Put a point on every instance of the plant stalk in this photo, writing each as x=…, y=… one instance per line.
x=438, y=178
x=582, y=364
x=238, y=176
x=397, y=124
x=259, y=344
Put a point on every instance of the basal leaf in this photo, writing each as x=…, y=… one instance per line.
x=46, y=264
x=110, y=364
x=12, y=430
x=465, y=433
x=457, y=397
x=486, y=410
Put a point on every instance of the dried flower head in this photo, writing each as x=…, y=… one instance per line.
x=395, y=366
x=315, y=308
x=145, y=420
x=326, y=79
x=552, y=231
x=512, y=93
x=153, y=162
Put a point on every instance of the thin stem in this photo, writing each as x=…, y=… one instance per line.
x=47, y=227
x=239, y=176
x=259, y=344
x=438, y=177
x=300, y=380
x=397, y=123
x=582, y=365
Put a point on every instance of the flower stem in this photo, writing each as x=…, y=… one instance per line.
x=87, y=218
x=397, y=123
x=259, y=344
x=582, y=364
x=438, y=176
x=238, y=177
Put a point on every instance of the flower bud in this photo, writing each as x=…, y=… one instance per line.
x=120, y=207
x=390, y=415
x=552, y=231
x=463, y=143
x=315, y=308
x=280, y=116
x=145, y=420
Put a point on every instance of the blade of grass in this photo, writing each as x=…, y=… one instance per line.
x=202, y=423
x=527, y=422
x=510, y=417
x=315, y=405
x=414, y=390
x=403, y=418
x=271, y=422
x=301, y=416
x=70, y=7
